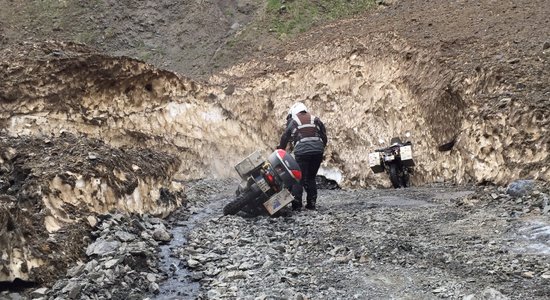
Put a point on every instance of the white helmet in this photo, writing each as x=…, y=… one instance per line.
x=296, y=108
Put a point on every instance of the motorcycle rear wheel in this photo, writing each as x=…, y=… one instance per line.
x=245, y=197
x=236, y=205
x=405, y=180
x=394, y=176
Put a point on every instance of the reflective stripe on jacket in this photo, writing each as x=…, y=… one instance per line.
x=307, y=133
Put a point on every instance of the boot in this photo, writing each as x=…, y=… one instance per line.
x=296, y=205
x=310, y=205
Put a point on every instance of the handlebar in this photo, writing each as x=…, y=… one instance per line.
x=384, y=149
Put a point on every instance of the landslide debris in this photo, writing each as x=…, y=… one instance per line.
x=52, y=189
x=122, y=261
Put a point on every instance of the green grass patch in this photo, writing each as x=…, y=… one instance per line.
x=301, y=15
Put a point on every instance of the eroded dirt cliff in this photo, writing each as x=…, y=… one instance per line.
x=86, y=134
x=54, y=189
x=472, y=75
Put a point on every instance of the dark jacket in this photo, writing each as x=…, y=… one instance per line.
x=307, y=137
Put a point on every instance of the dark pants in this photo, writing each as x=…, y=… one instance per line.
x=309, y=164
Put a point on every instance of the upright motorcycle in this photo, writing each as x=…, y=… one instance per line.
x=265, y=183
x=396, y=160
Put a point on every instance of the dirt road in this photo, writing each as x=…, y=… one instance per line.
x=417, y=243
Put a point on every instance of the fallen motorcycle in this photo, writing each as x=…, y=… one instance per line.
x=265, y=183
x=396, y=160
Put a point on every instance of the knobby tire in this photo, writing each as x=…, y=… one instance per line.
x=394, y=176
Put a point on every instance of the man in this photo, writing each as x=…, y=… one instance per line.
x=309, y=138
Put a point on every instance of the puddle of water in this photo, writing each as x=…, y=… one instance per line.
x=180, y=284
x=534, y=238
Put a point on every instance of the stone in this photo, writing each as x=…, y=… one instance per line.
x=39, y=292
x=154, y=288
x=76, y=270
x=233, y=275
x=246, y=265
x=91, y=265
x=92, y=220
x=161, y=235
x=545, y=205
x=487, y=294
x=213, y=294
x=192, y=263
x=110, y=263
x=12, y=296
x=520, y=188
x=125, y=236
x=197, y=276
x=102, y=247
x=301, y=296
x=75, y=291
